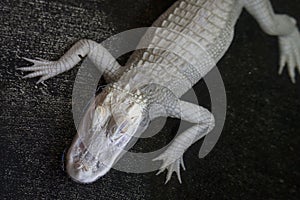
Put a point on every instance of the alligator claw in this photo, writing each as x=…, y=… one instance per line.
x=171, y=166
x=290, y=54
x=44, y=68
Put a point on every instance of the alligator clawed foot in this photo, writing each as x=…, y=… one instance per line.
x=44, y=68
x=290, y=53
x=171, y=166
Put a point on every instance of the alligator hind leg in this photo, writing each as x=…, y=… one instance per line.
x=104, y=61
x=290, y=53
x=282, y=26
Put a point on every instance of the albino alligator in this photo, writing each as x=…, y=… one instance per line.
x=159, y=77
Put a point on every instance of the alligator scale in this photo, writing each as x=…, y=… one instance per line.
x=195, y=34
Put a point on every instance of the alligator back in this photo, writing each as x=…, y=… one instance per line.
x=194, y=35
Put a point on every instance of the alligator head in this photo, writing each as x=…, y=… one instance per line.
x=111, y=125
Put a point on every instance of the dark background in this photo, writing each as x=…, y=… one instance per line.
x=256, y=157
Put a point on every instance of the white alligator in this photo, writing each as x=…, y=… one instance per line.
x=156, y=76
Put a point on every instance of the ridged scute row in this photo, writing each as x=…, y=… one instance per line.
x=191, y=37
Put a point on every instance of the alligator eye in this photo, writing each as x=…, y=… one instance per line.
x=113, y=129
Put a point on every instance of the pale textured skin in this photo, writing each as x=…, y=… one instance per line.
x=162, y=77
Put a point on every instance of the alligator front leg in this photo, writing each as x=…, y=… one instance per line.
x=204, y=123
x=102, y=59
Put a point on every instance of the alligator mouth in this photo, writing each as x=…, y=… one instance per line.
x=82, y=166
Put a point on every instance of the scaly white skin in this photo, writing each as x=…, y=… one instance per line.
x=206, y=24
x=98, y=54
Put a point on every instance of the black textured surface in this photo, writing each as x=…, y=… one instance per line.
x=257, y=156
